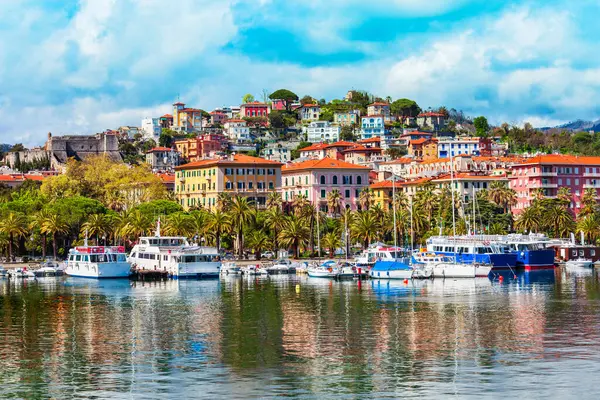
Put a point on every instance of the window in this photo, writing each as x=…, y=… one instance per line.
x=345, y=180
x=576, y=181
x=322, y=179
x=271, y=185
x=359, y=180
x=335, y=180
x=323, y=193
x=568, y=181
x=347, y=193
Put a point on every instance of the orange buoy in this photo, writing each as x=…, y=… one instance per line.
x=500, y=278
x=406, y=281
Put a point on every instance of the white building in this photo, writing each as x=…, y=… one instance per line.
x=372, y=126
x=458, y=146
x=237, y=130
x=162, y=158
x=321, y=131
x=279, y=151
x=310, y=112
x=151, y=128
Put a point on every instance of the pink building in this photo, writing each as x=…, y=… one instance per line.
x=278, y=105
x=217, y=117
x=334, y=150
x=551, y=172
x=316, y=178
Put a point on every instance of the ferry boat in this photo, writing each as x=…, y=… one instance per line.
x=470, y=250
x=533, y=251
x=98, y=262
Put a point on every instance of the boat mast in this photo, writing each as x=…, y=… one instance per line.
x=394, y=211
x=157, y=233
x=474, y=223
x=411, y=230
x=318, y=235
x=453, y=211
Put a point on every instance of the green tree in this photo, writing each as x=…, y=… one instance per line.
x=364, y=227
x=482, y=127
x=295, y=234
x=332, y=241
x=218, y=224
x=14, y=225
x=96, y=225
x=258, y=241
x=247, y=98
x=54, y=225
x=334, y=201
x=240, y=213
x=165, y=139
x=347, y=133
x=287, y=96
x=405, y=108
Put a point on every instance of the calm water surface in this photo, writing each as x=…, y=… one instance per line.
x=536, y=336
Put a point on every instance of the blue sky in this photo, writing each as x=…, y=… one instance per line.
x=82, y=66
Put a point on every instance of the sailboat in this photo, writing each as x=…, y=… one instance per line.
x=444, y=267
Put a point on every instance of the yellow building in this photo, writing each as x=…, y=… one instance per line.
x=382, y=193
x=423, y=149
x=198, y=184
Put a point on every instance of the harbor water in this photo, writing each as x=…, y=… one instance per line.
x=536, y=335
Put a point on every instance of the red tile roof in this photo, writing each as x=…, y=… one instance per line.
x=311, y=105
x=403, y=160
x=385, y=184
x=341, y=143
x=315, y=146
x=418, y=141
x=379, y=104
x=363, y=149
x=167, y=116
x=371, y=140
x=557, y=159
x=238, y=159
x=325, y=163
x=156, y=149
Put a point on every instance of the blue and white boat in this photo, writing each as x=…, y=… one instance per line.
x=473, y=250
x=533, y=251
x=398, y=269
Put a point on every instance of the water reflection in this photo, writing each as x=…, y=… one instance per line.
x=297, y=336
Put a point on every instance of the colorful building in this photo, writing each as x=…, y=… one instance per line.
x=201, y=147
x=473, y=146
x=551, y=172
x=362, y=155
x=316, y=178
x=347, y=118
x=310, y=112
x=379, y=108
x=186, y=119
x=383, y=192
x=237, y=130
x=372, y=126
x=423, y=149
x=198, y=184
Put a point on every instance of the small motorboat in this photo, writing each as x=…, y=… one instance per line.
x=280, y=267
x=20, y=273
x=351, y=271
x=3, y=272
x=321, y=272
x=579, y=263
x=446, y=267
x=230, y=268
x=49, y=269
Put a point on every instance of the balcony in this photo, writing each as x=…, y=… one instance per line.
x=538, y=185
x=591, y=174
x=591, y=185
x=546, y=173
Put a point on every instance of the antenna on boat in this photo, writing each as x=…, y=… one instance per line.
x=394, y=211
x=85, y=239
x=157, y=233
x=453, y=211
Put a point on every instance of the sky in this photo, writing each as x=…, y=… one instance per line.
x=83, y=66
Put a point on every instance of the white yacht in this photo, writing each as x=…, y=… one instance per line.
x=98, y=262
x=176, y=256
x=445, y=267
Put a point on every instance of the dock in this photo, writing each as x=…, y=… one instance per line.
x=149, y=275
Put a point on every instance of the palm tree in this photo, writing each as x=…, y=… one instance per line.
x=401, y=200
x=589, y=202
x=198, y=222
x=241, y=213
x=365, y=198
x=275, y=219
x=13, y=225
x=299, y=203
x=294, y=234
x=538, y=194
x=178, y=224
x=364, y=227
x=564, y=195
x=96, y=225
x=54, y=225
x=223, y=201
x=38, y=220
x=258, y=241
x=334, y=201
x=561, y=220
x=501, y=195
x=274, y=200
x=497, y=229
x=590, y=226
x=332, y=241
x=138, y=224
x=218, y=223
x=530, y=220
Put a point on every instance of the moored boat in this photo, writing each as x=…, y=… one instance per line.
x=470, y=250
x=230, y=268
x=445, y=267
x=579, y=263
x=21, y=273
x=98, y=262
x=392, y=270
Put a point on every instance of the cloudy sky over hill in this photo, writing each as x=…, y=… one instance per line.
x=69, y=66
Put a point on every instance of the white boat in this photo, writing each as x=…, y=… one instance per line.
x=175, y=256
x=49, y=269
x=580, y=263
x=20, y=273
x=98, y=262
x=230, y=268
x=321, y=271
x=378, y=252
x=445, y=267
x=3, y=272
x=281, y=266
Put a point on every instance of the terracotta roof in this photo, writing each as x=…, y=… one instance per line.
x=325, y=163
x=341, y=143
x=316, y=146
x=418, y=141
x=371, y=140
x=465, y=176
x=403, y=160
x=562, y=159
x=254, y=104
x=167, y=178
x=385, y=184
x=179, y=104
x=238, y=159
x=35, y=177
x=191, y=110
x=10, y=178
x=311, y=105
x=436, y=160
x=155, y=149
x=167, y=116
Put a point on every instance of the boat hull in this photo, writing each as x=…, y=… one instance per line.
x=535, y=259
x=100, y=271
x=391, y=270
x=444, y=270
x=320, y=274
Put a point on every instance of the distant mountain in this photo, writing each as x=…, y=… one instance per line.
x=577, y=126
